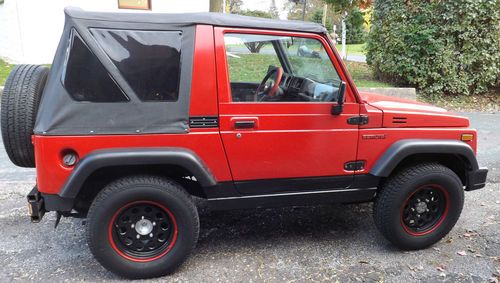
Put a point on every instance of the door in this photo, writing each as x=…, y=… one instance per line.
x=276, y=93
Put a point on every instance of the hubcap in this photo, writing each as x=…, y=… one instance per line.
x=424, y=209
x=143, y=230
x=144, y=227
x=421, y=207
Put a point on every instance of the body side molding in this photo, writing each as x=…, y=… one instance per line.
x=137, y=156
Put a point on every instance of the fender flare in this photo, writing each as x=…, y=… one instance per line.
x=399, y=150
x=135, y=156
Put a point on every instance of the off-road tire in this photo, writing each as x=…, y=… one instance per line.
x=20, y=100
x=136, y=189
x=394, y=194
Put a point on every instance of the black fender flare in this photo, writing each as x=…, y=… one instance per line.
x=401, y=149
x=135, y=156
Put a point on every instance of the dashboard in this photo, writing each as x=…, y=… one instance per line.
x=291, y=88
x=297, y=88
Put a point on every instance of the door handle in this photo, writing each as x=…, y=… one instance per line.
x=243, y=123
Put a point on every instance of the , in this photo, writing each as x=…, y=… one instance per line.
x=141, y=113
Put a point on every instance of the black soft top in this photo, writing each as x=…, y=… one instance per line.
x=189, y=19
x=60, y=114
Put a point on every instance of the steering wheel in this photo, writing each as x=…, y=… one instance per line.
x=269, y=88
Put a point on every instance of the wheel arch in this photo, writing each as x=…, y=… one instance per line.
x=456, y=155
x=100, y=167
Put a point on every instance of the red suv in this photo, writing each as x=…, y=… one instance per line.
x=139, y=113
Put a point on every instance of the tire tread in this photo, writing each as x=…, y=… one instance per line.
x=390, y=190
x=20, y=100
x=163, y=184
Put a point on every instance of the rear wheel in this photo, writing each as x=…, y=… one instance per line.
x=142, y=226
x=20, y=100
x=419, y=205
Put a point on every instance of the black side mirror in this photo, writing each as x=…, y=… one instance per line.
x=339, y=107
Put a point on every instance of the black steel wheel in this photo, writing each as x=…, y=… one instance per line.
x=424, y=210
x=143, y=230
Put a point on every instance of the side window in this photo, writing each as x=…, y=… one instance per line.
x=85, y=78
x=150, y=61
x=250, y=56
x=265, y=68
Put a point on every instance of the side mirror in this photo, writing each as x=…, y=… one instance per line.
x=339, y=107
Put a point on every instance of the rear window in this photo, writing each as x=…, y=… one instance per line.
x=85, y=77
x=150, y=61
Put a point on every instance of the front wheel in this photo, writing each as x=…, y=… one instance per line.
x=419, y=205
x=142, y=226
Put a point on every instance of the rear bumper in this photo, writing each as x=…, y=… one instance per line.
x=476, y=179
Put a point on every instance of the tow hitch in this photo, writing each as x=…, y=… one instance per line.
x=35, y=205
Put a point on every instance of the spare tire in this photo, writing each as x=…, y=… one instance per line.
x=20, y=99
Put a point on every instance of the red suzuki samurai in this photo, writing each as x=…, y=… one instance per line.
x=141, y=112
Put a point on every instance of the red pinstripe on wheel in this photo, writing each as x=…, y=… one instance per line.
x=141, y=259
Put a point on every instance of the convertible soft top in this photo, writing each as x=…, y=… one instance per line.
x=188, y=19
x=129, y=39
